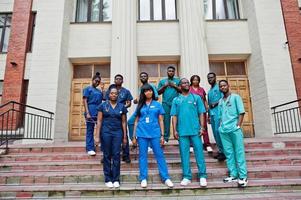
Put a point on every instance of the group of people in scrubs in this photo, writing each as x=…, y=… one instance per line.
x=184, y=103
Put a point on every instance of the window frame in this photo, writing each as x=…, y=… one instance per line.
x=163, y=12
x=226, y=10
x=31, y=31
x=2, y=36
x=89, y=12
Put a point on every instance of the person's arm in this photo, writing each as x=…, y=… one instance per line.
x=240, y=109
x=85, y=102
x=124, y=125
x=98, y=125
x=202, y=122
x=162, y=129
x=134, y=140
x=240, y=119
x=128, y=103
x=174, y=127
x=175, y=87
x=161, y=87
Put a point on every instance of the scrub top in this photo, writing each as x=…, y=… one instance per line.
x=170, y=93
x=214, y=95
x=230, y=109
x=112, y=120
x=148, y=124
x=187, y=109
x=94, y=99
x=124, y=95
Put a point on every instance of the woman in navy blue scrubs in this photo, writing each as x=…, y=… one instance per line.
x=149, y=129
x=111, y=125
x=92, y=98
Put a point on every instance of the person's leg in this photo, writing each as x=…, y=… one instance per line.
x=184, y=144
x=116, y=143
x=199, y=155
x=143, y=165
x=126, y=152
x=167, y=109
x=205, y=135
x=131, y=123
x=90, y=136
x=215, y=125
x=107, y=156
x=159, y=155
x=239, y=149
x=229, y=153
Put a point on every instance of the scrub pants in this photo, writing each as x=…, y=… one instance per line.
x=167, y=109
x=90, y=134
x=184, y=143
x=205, y=135
x=143, y=160
x=235, y=153
x=111, y=142
x=214, y=119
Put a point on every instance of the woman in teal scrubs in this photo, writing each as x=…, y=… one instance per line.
x=232, y=112
x=149, y=130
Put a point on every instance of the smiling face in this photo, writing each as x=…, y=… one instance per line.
x=170, y=72
x=118, y=80
x=143, y=78
x=96, y=82
x=113, y=95
x=148, y=94
x=211, y=79
x=224, y=87
x=184, y=85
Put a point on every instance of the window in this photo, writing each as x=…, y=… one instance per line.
x=94, y=11
x=231, y=68
x=156, y=10
x=5, y=23
x=88, y=71
x=31, y=31
x=221, y=9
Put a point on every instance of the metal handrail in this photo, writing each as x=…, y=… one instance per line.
x=16, y=123
x=28, y=106
x=284, y=104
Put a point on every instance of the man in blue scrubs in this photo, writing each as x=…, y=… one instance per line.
x=169, y=87
x=92, y=98
x=124, y=97
x=188, y=113
x=232, y=112
x=214, y=95
x=144, y=81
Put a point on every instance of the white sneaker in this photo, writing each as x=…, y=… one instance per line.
x=149, y=150
x=242, y=182
x=203, y=182
x=185, y=182
x=229, y=179
x=191, y=149
x=91, y=153
x=209, y=149
x=144, y=183
x=165, y=142
x=169, y=183
x=116, y=184
x=109, y=184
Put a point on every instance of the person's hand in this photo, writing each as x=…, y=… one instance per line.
x=134, y=141
x=124, y=141
x=208, y=120
x=88, y=116
x=102, y=86
x=127, y=104
x=162, y=141
x=176, y=135
x=135, y=101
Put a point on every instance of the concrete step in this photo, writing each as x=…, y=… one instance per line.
x=252, y=161
x=157, y=190
x=132, y=175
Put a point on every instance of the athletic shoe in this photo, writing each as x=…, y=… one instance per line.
x=221, y=157
x=91, y=153
x=144, y=183
x=116, y=184
x=109, y=184
x=169, y=183
x=229, y=179
x=185, y=182
x=191, y=149
x=209, y=149
x=242, y=182
x=203, y=182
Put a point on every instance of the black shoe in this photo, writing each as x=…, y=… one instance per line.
x=216, y=156
x=221, y=157
x=101, y=161
x=126, y=160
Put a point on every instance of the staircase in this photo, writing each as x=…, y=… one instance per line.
x=64, y=170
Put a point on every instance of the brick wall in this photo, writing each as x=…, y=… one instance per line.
x=292, y=18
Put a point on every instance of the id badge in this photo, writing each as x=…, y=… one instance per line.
x=147, y=120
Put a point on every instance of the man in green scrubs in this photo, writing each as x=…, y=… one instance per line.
x=188, y=113
x=169, y=88
x=214, y=95
x=232, y=112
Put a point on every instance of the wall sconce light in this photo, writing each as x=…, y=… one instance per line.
x=13, y=63
x=285, y=44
